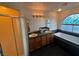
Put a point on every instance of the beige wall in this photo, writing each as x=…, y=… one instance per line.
x=63, y=14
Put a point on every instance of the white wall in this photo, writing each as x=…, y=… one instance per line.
x=36, y=23
x=24, y=33
x=33, y=22
x=53, y=17
x=24, y=37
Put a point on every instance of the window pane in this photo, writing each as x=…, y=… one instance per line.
x=66, y=28
x=77, y=21
x=76, y=29
x=67, y=20
x=71, y=19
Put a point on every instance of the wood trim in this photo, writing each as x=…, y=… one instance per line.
x=18, y=36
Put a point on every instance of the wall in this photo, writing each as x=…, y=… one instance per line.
x=33, y=22
x=63, y=14
x=36, y=23
x=56, y=17
x=53, y=17
x=24, y=32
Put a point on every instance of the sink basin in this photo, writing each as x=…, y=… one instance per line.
x=33, y=35
x=48, y=31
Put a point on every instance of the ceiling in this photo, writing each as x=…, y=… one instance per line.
x=46, y=6
x=40, y=8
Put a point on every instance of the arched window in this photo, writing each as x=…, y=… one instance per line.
x=71, y=23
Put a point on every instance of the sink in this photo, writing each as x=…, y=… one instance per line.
x=33, y=35
x=48, y=31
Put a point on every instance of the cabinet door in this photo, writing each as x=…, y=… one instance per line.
x=51, y=38
x=48, y=38
x=43, y=40
x=7, y=37
x=32, y=44
x=38, y=42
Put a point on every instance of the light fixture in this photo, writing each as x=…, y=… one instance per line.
x=38, y=15
x=59, y=9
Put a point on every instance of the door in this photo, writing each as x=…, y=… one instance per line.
x=7, y=36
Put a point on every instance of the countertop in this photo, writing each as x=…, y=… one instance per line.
x=38, y=35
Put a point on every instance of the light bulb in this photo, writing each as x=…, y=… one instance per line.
x=59, y=9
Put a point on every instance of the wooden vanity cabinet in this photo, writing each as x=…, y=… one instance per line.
x=32, y=44
x=43, y=40
x=38, y=42
x=51, y=38
x=48, y=38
